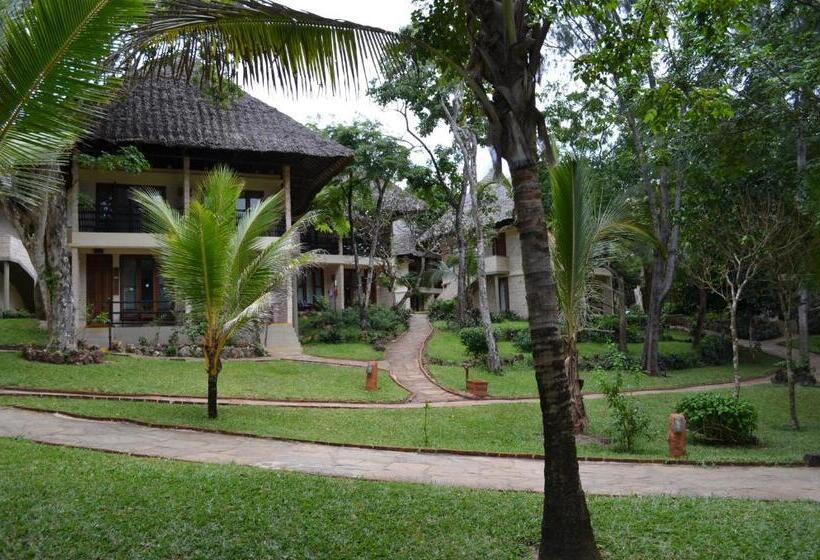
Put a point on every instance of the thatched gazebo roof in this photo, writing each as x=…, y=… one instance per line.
x=167, y=115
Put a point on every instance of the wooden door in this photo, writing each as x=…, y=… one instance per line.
x=98, y=285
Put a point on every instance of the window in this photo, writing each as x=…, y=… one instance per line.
x=499, y=247
x=248, y=200
x=311, y=287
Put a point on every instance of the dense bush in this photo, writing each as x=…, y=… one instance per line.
x=612, y=360
x=332, y=326
x=504, y=316
x=717, y=418
x=16, y=314
x=715, y=350
x=474, y=341
x=442, y=310
x=523, y=341
x=509, y=332
x=763, y=328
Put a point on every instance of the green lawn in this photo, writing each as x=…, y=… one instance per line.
x=20, y=332
x=518, y=379
x=343, y=350
x=512, y=428
x=78, y=504
x=275, y=379
x=814, y=343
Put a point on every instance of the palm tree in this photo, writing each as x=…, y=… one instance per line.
x=585, y=233
x=218, y=266
x=53, y=78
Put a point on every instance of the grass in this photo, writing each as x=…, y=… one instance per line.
x=343, y=350
x=78, y=504
x=814, y=343
x=511, y=428
x=275, y=379
x=518, y=379
x=21, y=332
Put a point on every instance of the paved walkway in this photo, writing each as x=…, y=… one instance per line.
x=775, y=348
x=770, y=483
x=405, y=354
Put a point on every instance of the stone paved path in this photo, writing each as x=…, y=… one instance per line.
x=404, y=355
x=775, y=483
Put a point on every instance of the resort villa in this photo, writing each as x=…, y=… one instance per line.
x=183, y=133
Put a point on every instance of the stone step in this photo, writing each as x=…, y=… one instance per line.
x=281, y=340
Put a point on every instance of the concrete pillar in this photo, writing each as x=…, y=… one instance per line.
x=288, y=223
x=79, y=306
x=186, y=182
x=6, y=287
x=340, y=287
x=74, y=197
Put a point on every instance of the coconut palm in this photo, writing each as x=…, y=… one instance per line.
x=586, y=231
x=220, y=268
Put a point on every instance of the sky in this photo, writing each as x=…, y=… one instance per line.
x=324, y=108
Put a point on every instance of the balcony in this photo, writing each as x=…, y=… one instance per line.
x=496, y=265
x=111, y=219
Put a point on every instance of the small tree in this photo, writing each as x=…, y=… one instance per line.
x=217, y=265
x=732, y=245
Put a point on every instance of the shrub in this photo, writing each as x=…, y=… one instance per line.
x=509, y=332
x=523, y=341
x=628, y=420
x=716, y=418
x=504, y=316
x=612, y=360
x=442, y=310
x=671, y=362
x=715, y=350
x=473, y=340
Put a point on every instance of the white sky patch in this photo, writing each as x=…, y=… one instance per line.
x=325, y=108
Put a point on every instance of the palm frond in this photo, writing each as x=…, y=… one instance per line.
x=258, y=41
x=53, y=79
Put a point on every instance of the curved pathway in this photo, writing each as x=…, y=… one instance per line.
x=405, y=355
x=768, y=483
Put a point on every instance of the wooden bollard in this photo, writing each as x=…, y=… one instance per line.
x=676, y=435
x=371, y=380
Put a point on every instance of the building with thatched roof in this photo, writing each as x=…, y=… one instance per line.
x=183, y=130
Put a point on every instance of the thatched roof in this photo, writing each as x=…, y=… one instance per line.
x=169, y=113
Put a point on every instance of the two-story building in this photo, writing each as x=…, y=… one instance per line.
x=184, y=132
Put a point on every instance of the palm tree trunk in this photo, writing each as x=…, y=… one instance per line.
x=566, y=530
x=213, y=361
x=579, y=415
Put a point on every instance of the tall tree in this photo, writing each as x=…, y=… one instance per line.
x=503, y=60
x=381, y=162
x=216, y=265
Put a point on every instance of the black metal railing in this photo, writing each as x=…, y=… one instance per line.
x=111, y=219
x=312, y=239
x=275, y=231
x=158, y=313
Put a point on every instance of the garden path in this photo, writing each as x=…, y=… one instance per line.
x=405, y=355
x=768, y=483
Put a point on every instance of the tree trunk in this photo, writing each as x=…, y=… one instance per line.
x=623, y=337
x=803, y=326
x=566, y=530
x=63, y=334
x=652, y=333
x=213, y=361
x=467, y=141
x=579, y=414
x=700, y=320
x=735, y=347
x=357, y=278
x=785, y=305
x=461, y=297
